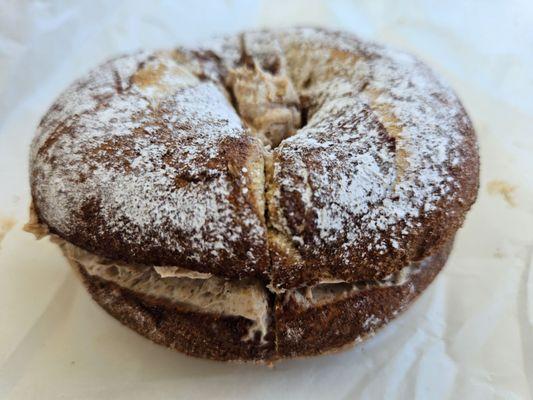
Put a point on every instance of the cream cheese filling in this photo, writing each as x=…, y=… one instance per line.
x=330, y=290
x=194, y=290
x=179, y=272
x=206, y=293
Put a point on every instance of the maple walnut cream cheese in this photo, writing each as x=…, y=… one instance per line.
x=266, y=195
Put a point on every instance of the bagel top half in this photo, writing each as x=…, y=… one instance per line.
x=294, y=157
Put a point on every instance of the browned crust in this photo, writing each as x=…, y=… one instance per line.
x=313, y=331
x=252, y=255
x=430, y=231
x=319, y=329
x=196, y=334
x=235, y=264
x=91, y=230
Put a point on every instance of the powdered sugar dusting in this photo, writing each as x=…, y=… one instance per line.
x=142, y=142
x=377, y=151
x=147, y=158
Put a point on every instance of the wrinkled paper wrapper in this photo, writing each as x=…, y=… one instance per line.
x=469, y=336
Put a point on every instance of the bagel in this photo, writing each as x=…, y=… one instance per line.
x=264, y=195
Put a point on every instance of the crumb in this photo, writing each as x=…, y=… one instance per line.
x=6, y=224
x=498, y=253
x=504, y=189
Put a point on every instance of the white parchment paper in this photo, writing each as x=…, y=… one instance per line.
x=470, y=336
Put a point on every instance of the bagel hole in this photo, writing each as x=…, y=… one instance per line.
x=269, y=69
x=304, y=115
x=304, y=109
x=273, y=66
x=307, y=82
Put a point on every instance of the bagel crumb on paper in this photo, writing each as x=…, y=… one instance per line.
x=6, y=224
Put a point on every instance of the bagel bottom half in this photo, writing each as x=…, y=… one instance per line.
x=295, y=329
